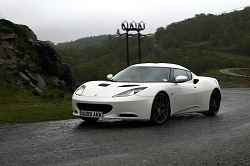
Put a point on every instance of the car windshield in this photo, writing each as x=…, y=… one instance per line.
x=143, y=74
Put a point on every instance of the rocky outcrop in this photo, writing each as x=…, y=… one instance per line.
x=26, y=61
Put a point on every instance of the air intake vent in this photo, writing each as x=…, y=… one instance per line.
x=196, y=81
x=104, y=85
x=127, y=115
x=128, y=85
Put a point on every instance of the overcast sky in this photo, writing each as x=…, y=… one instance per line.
x=68, y=20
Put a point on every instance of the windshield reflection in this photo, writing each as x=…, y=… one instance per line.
x=143, y=74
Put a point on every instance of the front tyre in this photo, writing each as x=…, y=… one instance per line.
x=214, y=104
x=160, y=111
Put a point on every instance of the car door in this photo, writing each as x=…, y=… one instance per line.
x=185, y=95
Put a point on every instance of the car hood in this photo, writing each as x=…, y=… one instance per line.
x=108, y=88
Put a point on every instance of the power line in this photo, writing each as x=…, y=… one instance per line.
x=232, y=10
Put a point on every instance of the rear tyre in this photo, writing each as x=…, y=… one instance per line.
x=160, y=111
x=89, y=120
x=214, y=104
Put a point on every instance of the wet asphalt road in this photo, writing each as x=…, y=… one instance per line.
x=191, y=139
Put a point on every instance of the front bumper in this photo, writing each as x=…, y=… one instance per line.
x=133, y=107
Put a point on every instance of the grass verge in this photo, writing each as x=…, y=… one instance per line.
x=20, y=105
x=36, y=112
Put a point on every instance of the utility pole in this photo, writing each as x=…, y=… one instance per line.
x=133, y=26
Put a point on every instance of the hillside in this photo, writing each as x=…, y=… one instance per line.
x=83, y=42
x=228, y=31
x=202, y=43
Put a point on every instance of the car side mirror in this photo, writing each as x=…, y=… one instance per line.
x=109, y=76
x=180, y=79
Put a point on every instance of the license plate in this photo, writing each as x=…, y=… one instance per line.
x=91, y=114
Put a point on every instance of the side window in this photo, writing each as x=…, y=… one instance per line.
x=189, y=75
x=178, y=72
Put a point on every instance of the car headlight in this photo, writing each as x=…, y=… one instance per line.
x=130, y=92
x=80, y=90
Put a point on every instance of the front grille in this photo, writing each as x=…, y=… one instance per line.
x=105, y=108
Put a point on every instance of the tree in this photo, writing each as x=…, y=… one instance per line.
x=214, y=39
x=160, y=32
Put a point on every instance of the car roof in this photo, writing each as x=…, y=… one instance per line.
x=170, y=65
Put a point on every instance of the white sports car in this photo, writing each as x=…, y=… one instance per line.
x=149, y=91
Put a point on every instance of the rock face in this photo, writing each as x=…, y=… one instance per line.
x=24, y=60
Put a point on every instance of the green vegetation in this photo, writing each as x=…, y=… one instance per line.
x=19, y=104
x=202, y=43
x=229, y=81
x=83, y=42
x=245, y=72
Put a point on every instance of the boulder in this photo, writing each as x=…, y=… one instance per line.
x=24, y=60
